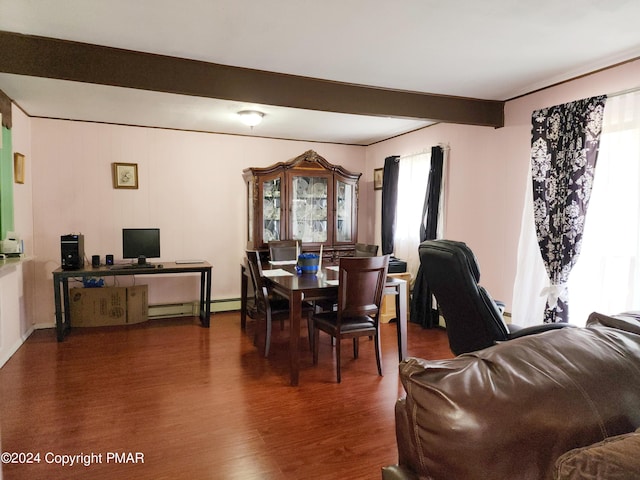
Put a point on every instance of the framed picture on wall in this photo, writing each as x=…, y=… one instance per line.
x=377, y=178
x=125, y=175
x=18, y=167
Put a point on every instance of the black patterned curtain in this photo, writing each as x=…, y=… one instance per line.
x=564, y=150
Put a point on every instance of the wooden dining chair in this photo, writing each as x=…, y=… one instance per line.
x=361, y=282
x=268, y=307
x=280, y=250
x=365, y=250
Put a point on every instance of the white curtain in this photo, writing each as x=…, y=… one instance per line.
x=528, y=305
x=412, y=186
x=606, y=277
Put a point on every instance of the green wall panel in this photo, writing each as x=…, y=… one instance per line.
x=6, y=184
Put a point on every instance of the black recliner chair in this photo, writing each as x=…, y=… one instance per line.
x=473, y=319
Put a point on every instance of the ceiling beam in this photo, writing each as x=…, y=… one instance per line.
x=80, y=62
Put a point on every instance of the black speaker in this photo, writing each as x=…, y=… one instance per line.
x=95, y=261
x=72, y=251
x=109, y=259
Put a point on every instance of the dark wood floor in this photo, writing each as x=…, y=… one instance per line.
x=200, y=404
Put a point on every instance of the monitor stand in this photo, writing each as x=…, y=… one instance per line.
x=142, y=261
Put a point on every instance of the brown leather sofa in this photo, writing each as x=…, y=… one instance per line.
x=512, y=410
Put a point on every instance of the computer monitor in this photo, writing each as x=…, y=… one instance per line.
x=141, y=243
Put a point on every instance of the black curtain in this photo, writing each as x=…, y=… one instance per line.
x=389, y=202
x=421, y=301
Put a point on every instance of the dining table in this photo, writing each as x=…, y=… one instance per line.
x=298, y=288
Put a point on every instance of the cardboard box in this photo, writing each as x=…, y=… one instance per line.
x=106, y=306
x=97, y=307
x=137, y=304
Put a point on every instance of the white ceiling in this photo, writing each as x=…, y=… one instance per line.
x=490, y=49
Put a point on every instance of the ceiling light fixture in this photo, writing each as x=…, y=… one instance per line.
x=250, y=118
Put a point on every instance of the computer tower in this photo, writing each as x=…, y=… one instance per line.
x=72, y=250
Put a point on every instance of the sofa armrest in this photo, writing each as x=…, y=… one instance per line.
x=406, y=448
x=516, y=331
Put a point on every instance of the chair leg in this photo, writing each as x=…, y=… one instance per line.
x=267, y=341
x=356, y=347
x=377, y=340
x=310, y=331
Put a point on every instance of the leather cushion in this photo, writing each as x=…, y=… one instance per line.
x=348, y=324
x=615, y=458
x=511, y=410
x=627, y=321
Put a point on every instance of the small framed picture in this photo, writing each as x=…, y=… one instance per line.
x=377, y=178
x=125, y=175
x=18, y=168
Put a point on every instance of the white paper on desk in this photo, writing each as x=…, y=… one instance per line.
x=282, y=262
x=333, y=282
x=335, y=268
x=278, y=272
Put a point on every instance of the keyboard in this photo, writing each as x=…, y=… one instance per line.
x=188, y=261
x=131, y=266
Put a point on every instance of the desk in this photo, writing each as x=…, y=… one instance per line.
x=306, y=287
x=61, y=287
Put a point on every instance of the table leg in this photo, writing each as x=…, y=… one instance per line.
x=401, y=319
x=206, y=282
x=295, y=313
x=58, y=307
x=66, y=304
x=243, y=297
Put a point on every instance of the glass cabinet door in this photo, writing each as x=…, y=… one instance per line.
x=309, y=208
x=344, y=211
x=250, y=212
x=271, y=209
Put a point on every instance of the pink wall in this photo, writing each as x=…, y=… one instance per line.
x=488, y=171
x=482, y=202
x=191, y=187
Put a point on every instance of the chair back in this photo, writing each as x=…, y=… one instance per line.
x=473, y=320
x=361, y=282
x=364, y=250
x=259, y=284
x=280, y=250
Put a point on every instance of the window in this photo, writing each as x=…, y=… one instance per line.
x=413, y=177
x=606, y=277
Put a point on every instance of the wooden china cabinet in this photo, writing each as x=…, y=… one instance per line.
x=306, y=199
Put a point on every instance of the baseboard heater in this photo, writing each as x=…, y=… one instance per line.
x=191, y=309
